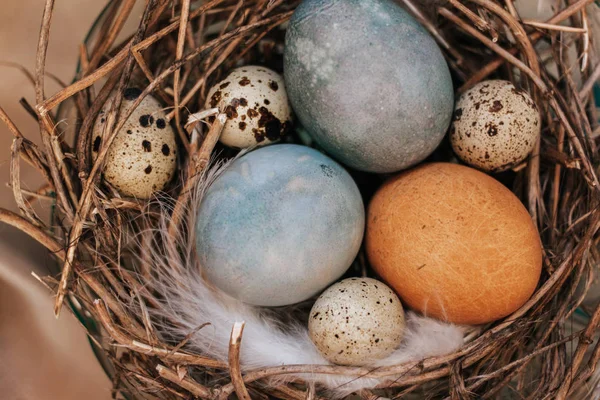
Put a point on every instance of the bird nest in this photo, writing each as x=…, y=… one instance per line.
x=178, y=51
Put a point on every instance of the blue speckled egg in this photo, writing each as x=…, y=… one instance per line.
x=368, y=82
x=279, y=225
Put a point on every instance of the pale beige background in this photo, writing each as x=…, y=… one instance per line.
x=40, y=358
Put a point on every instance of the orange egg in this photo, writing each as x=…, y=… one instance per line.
x=454, y=243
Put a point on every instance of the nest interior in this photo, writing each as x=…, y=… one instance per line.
x=178, y=51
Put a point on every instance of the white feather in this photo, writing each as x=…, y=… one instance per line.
x=188, y=302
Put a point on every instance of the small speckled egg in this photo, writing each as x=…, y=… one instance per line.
x=142, y=157
x=357, y=321
x=256, y=104
x=495, y=126
x=279, y=225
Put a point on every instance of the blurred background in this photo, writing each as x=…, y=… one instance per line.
x=42, y=358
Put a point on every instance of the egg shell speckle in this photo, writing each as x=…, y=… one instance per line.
x=495, y=126
x=357, y=321
x=279, y=225
x=368, y=82
x=256, y=104
x=143, y=156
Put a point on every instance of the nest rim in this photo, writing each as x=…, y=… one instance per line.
x=560, y=270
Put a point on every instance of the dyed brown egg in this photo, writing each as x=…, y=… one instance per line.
x=495, y=126
x=454, y=243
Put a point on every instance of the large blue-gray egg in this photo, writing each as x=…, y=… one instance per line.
x=279, y=225
x=368, y=82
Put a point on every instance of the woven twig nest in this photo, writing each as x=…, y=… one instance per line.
x=177, y=53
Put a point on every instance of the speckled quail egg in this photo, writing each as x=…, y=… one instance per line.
x=495, y=126
x=256, y=104
x=357, y=321
x=142, y=158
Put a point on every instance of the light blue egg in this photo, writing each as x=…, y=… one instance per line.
x=368, y=82
x=279, y=225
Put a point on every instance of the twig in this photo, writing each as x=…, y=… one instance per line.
x=102, y=46
x=556, y=182
x=191, y=386
x=85, y=203
x=228, y=50
x=30, y=154
x=144, y=348
x=288, y=393
x=521, y=362
x=201, y=159
x=518, y=32
x=231, y=16
x=535, y=37
x=553, y=27
x=42, y=48
x=197, y=163
x=584, y=342
x=189, y=336
x=234, y=361
x=479, y=22
x=15, y=179
x=30, y=76
x=185, y=14
x=147, y=42
x=83, y=83
x=512, y=9
x=590, y=82
x=586, y=40
x=495, y=47
x=55, y=157
x=41, y=194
